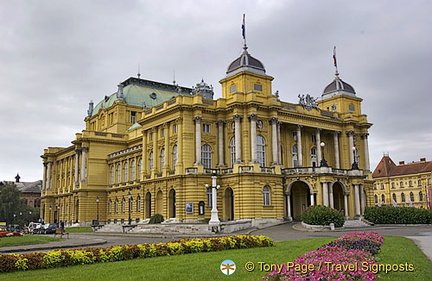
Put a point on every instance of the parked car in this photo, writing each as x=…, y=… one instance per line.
x=49, y=228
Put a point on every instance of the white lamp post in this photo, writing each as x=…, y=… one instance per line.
x=214, y=219
x=323, y=161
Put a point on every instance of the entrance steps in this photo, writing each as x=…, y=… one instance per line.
x=356, y=223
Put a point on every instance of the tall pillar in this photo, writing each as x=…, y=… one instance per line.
x=362, y=200
x=83, y=163
x=278, y=143
x=275, y=144
x=253, y=137
x=346, y=204
x=49, y=181
x=357, y=199
x=144, y=158
x=180, y=146
x=350, y=135
x=299, y=146
x=77, y=152
x=44, y=177
x=289, y=206
x=331, y=196
x=325, y=193
x=318, y=145
x=155, y=152
x=198, y=140
x=220, y=125
x=366, y=151
x=312, y=199
x=167, y=150
x=336, y=148
x=237, y=133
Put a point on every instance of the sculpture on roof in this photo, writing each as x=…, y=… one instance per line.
x=308, y=102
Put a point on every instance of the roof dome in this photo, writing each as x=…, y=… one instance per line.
x=246, y=63
x=338, y=86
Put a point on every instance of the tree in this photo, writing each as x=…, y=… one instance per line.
x=14, y=210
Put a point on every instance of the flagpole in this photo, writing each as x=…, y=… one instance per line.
x=335, y=61
x=244, y=32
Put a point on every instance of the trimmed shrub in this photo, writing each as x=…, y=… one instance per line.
x=14, y=262
x=322, y=215
x=398, y=215
x=157, y=218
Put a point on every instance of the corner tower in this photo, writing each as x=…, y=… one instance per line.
x=246, y=74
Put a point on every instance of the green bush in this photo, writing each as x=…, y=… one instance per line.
x=398, y=215
x=60, y=258
x=322, y=215
x=158, y=218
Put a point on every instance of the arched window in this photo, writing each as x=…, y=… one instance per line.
x=261, y=154
x=412, y=197
x=209, y=197
x=401, y=184
x=151, y=161
x=174, y=157
x=376, y=198
x=116, y=205
x=140, y=165
x=294, y=156
x=394, y=197
x=206, y=156
x=123, y=207
x=110, y=206
x=420, y=196
x=419, y=182
x=118, y=173
x=383, y=198
x=162, y=158
x=232, y=151
x=130, y=204
x=138, y=204
x=112, y=172
x=313, y=157
x=126, y=171
x=266, y=195
x=133, y=170
x=402, y=197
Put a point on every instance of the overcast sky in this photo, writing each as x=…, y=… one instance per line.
x=56, y=56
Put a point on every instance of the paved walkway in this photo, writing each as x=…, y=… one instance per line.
x=421, y=235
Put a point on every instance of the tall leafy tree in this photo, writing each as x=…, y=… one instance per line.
x=13, y=210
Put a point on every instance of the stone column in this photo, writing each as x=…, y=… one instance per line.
x=362, y=200
x=220, y=125
x=77, y=152
x=155, y=152
x=366, y=151
x=346, y=204
x=237, y=133
x=350, y=135
x=278, y=143
x=289, y=206
x=331, y=196
x=253, y=138
x=275, y=144
x=49, y=182
x=325, y=194
x=180, y=146
x=299, y=146
x=336, y=148
x=167, y=150
x=198, y=140
x=144, y=158
x=83, y=163
x=357, y=199
x=318, y=146
x=44, y=177
x=312, y=198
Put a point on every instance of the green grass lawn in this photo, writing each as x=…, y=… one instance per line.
x=80, y=229
x=26, y=240
x=205, y=266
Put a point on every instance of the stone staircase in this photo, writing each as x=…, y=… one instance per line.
x=356, y=223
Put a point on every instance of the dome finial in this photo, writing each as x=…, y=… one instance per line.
x=334, y=61
x=244, y=32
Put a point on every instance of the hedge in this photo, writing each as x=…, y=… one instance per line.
x=60, y=258
x=398, y=215
x=322, y=215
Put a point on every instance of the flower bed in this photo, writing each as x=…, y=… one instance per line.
x=9, y=234
x=14, y=262
x=342, y=259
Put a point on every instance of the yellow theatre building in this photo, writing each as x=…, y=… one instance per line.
x=152, y=148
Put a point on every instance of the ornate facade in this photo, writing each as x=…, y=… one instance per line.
x=406, y=184
x=152, y=147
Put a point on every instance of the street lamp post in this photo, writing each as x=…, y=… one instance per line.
x=49, y=215
x=130, y=198
x=323, y=161
x=214, y=219
x=97, y=208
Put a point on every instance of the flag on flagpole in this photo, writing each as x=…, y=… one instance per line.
x=244, y=27
x=334, y=56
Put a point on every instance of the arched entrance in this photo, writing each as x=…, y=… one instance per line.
x=299, y=199
x=172, y=203
x=148, y=205
x=159, y=202
x=229, y=204
x=338, y=196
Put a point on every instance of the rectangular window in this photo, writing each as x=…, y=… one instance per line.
x=175, y=129
x=133, y=117
x=162, y=132
x=151, y=136
x=206, y=128
x=258, y=87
